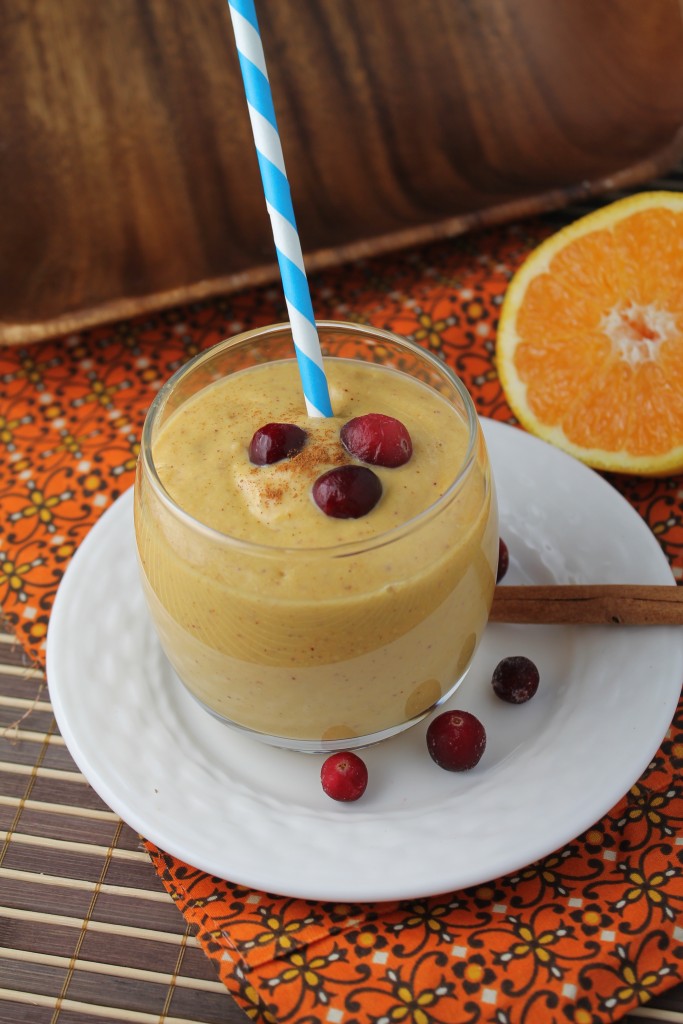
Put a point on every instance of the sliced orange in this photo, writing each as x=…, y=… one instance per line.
x=590, y=341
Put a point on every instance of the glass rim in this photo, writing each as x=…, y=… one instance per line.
x=345, y=548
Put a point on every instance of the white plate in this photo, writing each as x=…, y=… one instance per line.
x=256, y=815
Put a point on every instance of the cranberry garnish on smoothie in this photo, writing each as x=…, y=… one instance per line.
x=378, y=439
x=347, y=492
x=274, y=442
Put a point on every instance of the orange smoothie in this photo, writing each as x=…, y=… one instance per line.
x=299, y=627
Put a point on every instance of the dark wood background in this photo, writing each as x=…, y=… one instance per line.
x=128, y=179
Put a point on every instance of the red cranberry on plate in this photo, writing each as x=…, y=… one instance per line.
x=503, y=560
x=515, y=679
x=456, y=740
x=344, y=776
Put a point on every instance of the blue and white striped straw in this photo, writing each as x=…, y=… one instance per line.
x=279, y=205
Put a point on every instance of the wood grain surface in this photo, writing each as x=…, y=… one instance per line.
x=128, y=179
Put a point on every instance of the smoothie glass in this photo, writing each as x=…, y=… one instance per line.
x=318, y=646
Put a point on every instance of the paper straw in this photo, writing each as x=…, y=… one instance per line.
x=279, y=206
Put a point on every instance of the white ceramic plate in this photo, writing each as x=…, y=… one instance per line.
x=256, y=815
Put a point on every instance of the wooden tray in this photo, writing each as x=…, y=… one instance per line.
x=128, y=176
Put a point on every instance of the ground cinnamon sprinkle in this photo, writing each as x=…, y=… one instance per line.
x=272, y=493
x=322, y=451
x=316, y=454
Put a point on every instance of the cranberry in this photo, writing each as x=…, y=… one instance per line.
x=344, y=776
x=274, y=442
x=515, y=679
x=377, y=439
x=503, y=560
x=456, y=740
x=347, y=492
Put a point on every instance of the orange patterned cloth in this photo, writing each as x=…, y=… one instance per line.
x=584, y=935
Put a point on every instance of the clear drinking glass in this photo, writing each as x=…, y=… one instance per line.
x=313, y=645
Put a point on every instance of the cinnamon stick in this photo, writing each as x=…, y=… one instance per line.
x=603, y=604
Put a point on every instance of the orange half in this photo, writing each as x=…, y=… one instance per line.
x=590, y=340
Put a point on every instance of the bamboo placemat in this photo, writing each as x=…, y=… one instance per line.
x=87, y=931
